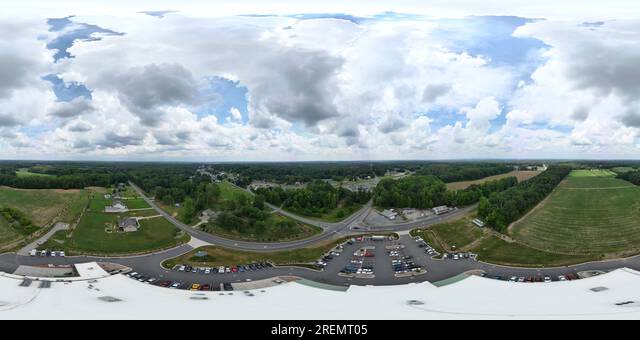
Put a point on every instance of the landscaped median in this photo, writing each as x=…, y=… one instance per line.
x=220, y=256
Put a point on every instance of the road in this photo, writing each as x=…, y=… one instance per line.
x=437, y=270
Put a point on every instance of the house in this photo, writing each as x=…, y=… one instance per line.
x=116, y=207
x=390, y=214
x=128, y=225
x=478, y=223
x=107, y=196
x=441, y=210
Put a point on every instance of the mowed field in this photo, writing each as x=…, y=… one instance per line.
x=520, y=175
x=41, y=206
x=590, y=213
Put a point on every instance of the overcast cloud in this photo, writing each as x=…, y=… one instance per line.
x=389, y=86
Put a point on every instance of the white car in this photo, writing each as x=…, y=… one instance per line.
x=207, y=271
x=562, y=278
x=182, y=268
x=62, y=254
x=513, y=279
x=175, y=286
x=547, y=279
x=227, y=270
x=53, y=254
x=33, y=252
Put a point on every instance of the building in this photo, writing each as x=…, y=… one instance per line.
x=116, y=207
x=128, y=225
x=118, y=297
x=441, y=210
x=390, y=214
x=478, y=223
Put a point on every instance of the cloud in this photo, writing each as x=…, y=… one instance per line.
x=74, y=108
x=434, y=91
x=149, y=89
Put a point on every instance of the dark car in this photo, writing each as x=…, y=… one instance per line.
x=227, y=286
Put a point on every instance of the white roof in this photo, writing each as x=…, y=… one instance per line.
x=472, y=298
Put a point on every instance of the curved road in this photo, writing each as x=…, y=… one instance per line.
x=437, y=270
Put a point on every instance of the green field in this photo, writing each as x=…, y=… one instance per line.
x=467, y=238
x=332, y=216
x=26, y=173
x=7, y=234
x=91, y=237
x=136, y=203
x=590, y=213
x=40, y=206
x=230, y=192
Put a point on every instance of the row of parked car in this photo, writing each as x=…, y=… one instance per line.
x=222, y=269
x=47, y=253
x=179, y=285
x=328, y=257
x=536, y=279
x=427, y=248
x=402, y=263
x=459, y=256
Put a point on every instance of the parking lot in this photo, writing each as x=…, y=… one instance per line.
x=403, y=263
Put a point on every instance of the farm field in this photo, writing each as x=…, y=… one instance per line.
x=40, y=206
x=467, y=238
x=520, y=175
x=590, y=213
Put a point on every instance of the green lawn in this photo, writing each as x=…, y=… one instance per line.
x=136, y=203
x=90, y=236
x=590, y=213
x=497, y=251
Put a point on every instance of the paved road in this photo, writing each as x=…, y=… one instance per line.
x=436, y=269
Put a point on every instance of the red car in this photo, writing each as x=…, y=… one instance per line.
x=165, y=284
x=234, y=269
x=205, y=287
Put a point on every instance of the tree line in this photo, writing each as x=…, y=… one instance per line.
x=503, y=208
x=424, y=192
x=316, y=199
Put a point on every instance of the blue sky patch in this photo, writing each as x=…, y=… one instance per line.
x=227, y=94
x=492, y=37
x=70, y=32
x=66, y=92
x=157, y=14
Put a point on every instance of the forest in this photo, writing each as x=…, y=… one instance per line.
x=503, y=208
x=317, y=199
x=421, y=192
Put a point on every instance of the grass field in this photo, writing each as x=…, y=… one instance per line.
x=230, y=192
x=90, y=236
x=7, y=234
x=520, y=175
x=41, y=206
x=623, y=169
x=467, y=238
x=26, y=173
x=136, y=203
x=590, y=213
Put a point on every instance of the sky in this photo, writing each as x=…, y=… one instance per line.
x=300, y=80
